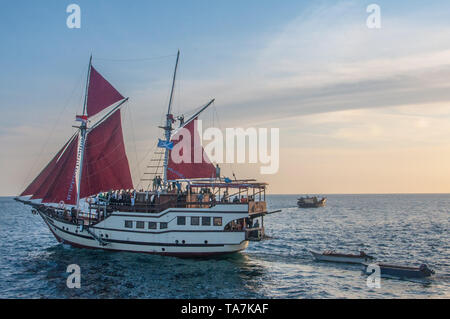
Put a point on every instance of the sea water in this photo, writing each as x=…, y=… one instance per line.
x=400, y=229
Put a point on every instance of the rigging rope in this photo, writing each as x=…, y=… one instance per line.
x=136, y=59
x=134, y=139
x=52, y=130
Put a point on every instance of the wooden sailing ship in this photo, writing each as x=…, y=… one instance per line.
x=85, y=194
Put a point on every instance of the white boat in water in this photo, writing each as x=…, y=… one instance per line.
x=86, y=197
x=332, y=256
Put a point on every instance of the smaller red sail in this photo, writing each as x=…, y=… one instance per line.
x=105, y=164
x=101, y=93
x=60, y=185
x=51, y=178
x=190, y=169
x=39, y=180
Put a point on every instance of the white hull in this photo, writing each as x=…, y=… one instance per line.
x=177, y=240
x=340, y=259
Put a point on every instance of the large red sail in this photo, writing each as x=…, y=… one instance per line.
x=63, y=186
x=105, y=164
x=191, y=169
x=40, y=179
x=101, y=93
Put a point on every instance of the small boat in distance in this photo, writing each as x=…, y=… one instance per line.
x=311, y=202
x=397, y=271
x=332, y=256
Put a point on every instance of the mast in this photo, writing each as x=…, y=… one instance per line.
x=83, y=130
x=169, y=120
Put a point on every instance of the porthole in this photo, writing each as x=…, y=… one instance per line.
x=176, y=242
x=107, y=236
x=184, y=242
x=101, y=235
x=206, y=242
x=163, y=249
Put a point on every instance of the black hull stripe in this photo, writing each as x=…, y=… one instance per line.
x=141, y=232
x=164, y=232
x=149, y=215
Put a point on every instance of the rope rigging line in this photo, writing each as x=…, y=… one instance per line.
x=134, y=139
x=136, y=59
x=52, y=130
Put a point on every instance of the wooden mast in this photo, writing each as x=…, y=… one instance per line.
x=169, y=118
x=83, y=129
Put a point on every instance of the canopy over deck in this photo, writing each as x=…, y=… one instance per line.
x=216, y=183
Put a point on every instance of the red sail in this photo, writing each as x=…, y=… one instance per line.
x=101, y=93
x=105, y=164
x=63, y=185
x=40, y=179
x=184, y=170
x=56, y=187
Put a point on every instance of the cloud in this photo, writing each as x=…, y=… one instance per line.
x=327, y=60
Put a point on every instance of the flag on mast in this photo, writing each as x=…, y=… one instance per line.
x=81, y=118
x=165, y=144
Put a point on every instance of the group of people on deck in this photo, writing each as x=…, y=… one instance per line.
x=122, y=197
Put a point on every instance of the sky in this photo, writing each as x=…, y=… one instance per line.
x=359, y=110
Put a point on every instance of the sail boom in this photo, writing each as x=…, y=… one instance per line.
x=193, y=117
x=104, y=118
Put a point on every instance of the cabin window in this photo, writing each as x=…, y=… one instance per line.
x=128, y=224
x=140, y=225
x=162, y=225
x=206, y=221
x=181, y=220
x=195, y=221
x=217, y=221
x=152, y=225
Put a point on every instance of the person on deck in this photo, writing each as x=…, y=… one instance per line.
x=119, y=198
x=178, y=185
x=217, y=171
x=133, y=199
x=155, y=182
x=200, y=198
x=158, y=182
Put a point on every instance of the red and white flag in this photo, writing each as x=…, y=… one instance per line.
x=81, y=118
